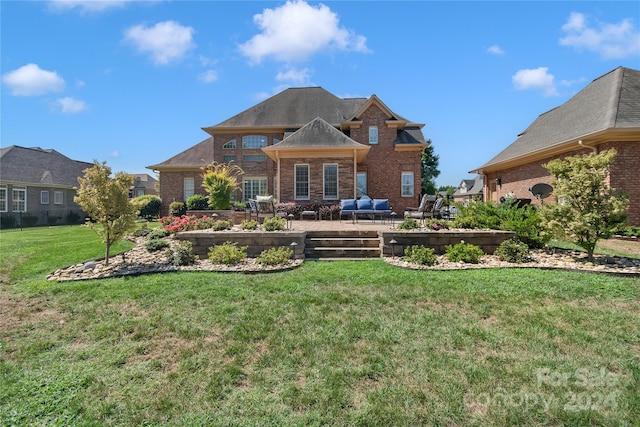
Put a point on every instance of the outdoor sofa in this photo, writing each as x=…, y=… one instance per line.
x=365, y=206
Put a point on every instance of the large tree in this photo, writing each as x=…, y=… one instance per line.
x=588, y=209
x=106, y=201
x=430, y=169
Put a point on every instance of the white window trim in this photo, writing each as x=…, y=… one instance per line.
x=324, y=183
x=375, y=139
x=192, y=189
x=57, y=194
x=13, y=198
x=230, y=145
x=413, y=189
x=44, y=197
x=4, y=205
x=245, y=194
x=295, y=182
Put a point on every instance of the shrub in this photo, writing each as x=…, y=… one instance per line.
x=29, y=220
x=154, y=245
x=197, y=202
x=221, y=225
x=409, y=224
x=187, y=223
x=437, y=224
x=220, y=180
x=627, y=230
x=249, y=225
x=274, y=223
x=177, y=209
x=7, y=221
x=419, y=254
x=148, y=205
x=52, y=220
x=156, y=233
x=227, y=253
x=275, y=256
x=331, y=212
x=465, y=252
x=513, y=250
x=181, y=253
x=72, y=217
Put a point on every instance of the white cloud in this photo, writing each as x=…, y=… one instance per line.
x=70, y=105
x=611, y=41
x=92, y=6
x=295, y=31
x=114, y=154
x=31, y=80
x=208, y=76
x=295, y=76
x=166, y=41
x=535, y=79
x=495, y=50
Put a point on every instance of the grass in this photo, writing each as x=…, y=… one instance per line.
x=343, y=343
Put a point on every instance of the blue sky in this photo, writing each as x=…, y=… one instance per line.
x=133, y=82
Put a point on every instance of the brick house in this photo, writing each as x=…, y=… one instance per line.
x=605, y=114
x=143, y=184
x=37, y=186
x=306, y=145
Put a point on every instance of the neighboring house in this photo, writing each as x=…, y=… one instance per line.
x=470, y=189
x=306, y=145
x=143, y=184
x=37, y=186
x=605, y=114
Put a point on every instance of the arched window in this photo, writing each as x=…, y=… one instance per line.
x=230, y=145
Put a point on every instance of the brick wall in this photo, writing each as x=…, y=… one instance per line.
x=624, y=176
x=384, y=165
x=316, y=171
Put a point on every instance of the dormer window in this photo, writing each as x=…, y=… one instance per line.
x=230, y=145
x=373, y=134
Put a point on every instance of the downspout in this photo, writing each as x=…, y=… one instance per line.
x=278, y=176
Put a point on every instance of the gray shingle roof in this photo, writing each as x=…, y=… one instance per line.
x=37, y=166
x=294, y=107
x=317, y=133
x=410, y=135
x=199, y=155
x=611, y=101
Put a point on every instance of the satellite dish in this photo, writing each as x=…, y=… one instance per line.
x=541, y=191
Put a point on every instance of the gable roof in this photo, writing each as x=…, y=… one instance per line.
x=293, y=108
x=42, y=167
x=609, y=103
x=473, y=187
x=199, y=155
x=318, y=136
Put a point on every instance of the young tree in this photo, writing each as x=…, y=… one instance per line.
x=429, y=169
x=106, y=201
x=588, y=208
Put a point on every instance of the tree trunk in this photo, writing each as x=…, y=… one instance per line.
x=106, y=255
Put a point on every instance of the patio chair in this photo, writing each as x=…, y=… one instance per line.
x=429, y=208
x=262, y=207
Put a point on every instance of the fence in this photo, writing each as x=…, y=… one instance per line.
x=41, y=217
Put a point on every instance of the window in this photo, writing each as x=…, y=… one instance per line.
x=254, y=158
x=302, y=182
x=228, y=159
x=44, y=197
x=254, y=141
x=361, y=183
x=252, y=187
x=330, y=181
x=19, y=199
x=58, y=197
x=407, y=184
x=230, y=145
x=189, y=188
x=3, y=198
x=140, y=192
x=275, y=141
x=373, y=134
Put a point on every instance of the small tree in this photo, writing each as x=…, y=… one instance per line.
x=588, y=209
x=106, y=201
x=429, y=169
x=220, y=180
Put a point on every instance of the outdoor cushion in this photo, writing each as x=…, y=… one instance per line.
x=348, y=204
x=380, y=204
x=364, y=204
x=265, y=204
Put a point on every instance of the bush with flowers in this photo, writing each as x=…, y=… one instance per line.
x=175, y=224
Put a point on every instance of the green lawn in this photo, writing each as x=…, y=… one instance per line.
x=343, y=343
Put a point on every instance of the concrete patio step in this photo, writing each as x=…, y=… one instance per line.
x=342, y=244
